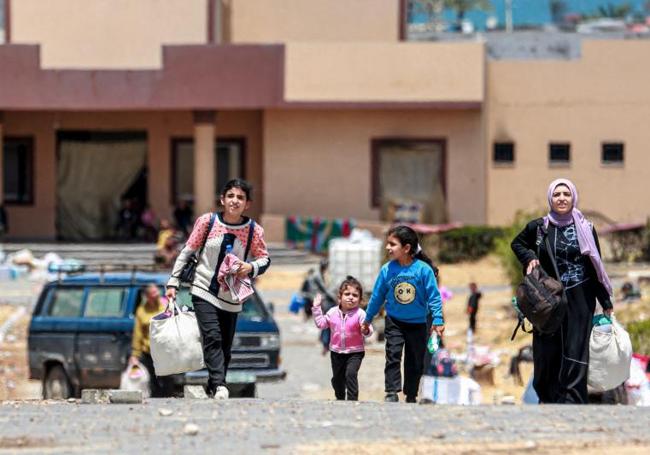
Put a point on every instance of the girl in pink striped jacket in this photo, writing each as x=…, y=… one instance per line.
x=346, y=340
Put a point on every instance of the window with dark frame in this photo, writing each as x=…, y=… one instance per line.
x=504, y=152
x=18, y=165
x=613, y=153
x=559, y=153
x=394, y=158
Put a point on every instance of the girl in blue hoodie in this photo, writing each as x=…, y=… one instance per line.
x=407, y=285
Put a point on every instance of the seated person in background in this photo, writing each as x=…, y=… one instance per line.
x=167, y=245
x=127, y=221
x=148, y=228
x=183, y=216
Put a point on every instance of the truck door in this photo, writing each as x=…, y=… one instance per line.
x=53, y=332
x=104, y=335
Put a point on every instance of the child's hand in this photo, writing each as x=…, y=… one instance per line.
x=317, y=300
x=439, y=329
x=365, y=328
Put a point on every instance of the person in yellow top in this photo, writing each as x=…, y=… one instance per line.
x=167, y=244
x=140, y=350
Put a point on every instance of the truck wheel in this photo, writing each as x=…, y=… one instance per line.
x=56, y=385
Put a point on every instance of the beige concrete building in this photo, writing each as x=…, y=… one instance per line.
x=326, y=114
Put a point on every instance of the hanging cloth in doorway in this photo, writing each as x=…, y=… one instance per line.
x=91, y=178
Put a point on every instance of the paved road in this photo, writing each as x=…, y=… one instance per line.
x=294, y=426
x=288, y=420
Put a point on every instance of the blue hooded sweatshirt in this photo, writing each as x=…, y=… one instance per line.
x=410, y=293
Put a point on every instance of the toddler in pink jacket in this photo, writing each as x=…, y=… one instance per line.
x=346, y=339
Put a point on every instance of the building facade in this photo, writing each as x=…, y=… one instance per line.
x=321, y=105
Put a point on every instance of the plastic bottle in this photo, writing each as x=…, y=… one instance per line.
x=515, y=306
x=433, y=343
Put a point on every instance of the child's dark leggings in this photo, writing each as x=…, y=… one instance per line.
x=345, y=368
x=412, y=338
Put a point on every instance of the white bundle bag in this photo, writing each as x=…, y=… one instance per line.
x=175, y=342
x=610, y=355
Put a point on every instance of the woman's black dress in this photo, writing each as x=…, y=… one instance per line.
x=561, y=360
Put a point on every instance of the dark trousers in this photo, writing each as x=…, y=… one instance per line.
x=412, y=338
x=472, y=322
x=158, y=386
x=217, y=329
x=345, y=368
x=561, y=360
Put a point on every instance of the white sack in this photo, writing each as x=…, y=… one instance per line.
x=176, y=343
x=610, y=354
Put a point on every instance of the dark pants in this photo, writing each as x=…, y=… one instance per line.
x=561, y=360
x=217, y=329
x=160, y=387
x=345, y=368
x=472, y=322
x=413, y=339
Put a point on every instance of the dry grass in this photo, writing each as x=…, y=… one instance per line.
x=487, y=271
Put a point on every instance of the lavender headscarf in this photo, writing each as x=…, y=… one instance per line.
x=583, y=229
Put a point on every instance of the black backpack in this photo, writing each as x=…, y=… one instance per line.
x=540, y=298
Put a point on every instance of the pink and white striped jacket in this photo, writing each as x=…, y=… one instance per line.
x=346, y=334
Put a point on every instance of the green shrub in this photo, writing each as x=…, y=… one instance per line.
x=640, y=335
x=468, y=243
x=502, y=248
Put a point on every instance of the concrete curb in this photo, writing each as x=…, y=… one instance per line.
x=99, y=396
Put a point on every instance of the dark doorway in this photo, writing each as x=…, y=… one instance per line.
x=98, y=175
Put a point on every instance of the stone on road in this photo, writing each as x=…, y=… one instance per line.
x=102, y=396
x=196, y=392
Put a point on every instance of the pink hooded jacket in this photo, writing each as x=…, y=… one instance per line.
x=346, y=334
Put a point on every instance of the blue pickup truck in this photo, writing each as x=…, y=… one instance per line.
x=81, y=329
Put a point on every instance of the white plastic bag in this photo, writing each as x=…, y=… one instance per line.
x=638, y=386
x=136, y=377
x=457, y=390
x=610, y=354
x=175, y=342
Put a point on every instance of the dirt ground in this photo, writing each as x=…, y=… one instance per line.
x=426, y=446
x=13, y=360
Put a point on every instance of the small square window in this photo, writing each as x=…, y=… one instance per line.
x=559, y=153
x=613, y=152
x=504, y=152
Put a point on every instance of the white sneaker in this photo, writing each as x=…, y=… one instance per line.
x=221, y=393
